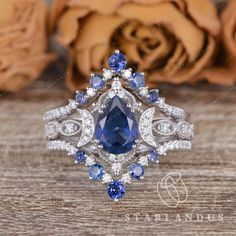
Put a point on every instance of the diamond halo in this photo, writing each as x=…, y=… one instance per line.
x=117, y=127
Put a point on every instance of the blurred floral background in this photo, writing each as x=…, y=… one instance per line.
x=172, y=41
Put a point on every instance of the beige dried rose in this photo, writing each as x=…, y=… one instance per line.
x=23, y=42
x=223, y=71
x=172, y=41
x=229, y=27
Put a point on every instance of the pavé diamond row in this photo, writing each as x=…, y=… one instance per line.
x=117, y=127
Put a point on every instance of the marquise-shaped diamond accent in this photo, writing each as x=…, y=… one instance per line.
x=118, y=115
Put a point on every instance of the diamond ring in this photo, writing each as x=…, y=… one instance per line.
x=117, y=127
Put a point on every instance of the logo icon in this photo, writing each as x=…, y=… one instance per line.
x=172, y=190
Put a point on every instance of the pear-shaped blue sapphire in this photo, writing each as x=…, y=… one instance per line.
x=116, y=127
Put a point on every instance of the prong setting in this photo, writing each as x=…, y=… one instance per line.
x=160, y=126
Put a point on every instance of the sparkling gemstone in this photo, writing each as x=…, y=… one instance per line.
x=143, y=91
x=80, y=156
x=116, y=190
x=116, y=84
x=137, y=80
x=107, y=74
x=97, y=81
x=185, y=130
x=80, y=97
x=143, y=160
x=117, y=62
x=72, y=104
x=106, y=178
x=153, y=155
x=161, y=102
x=112, y=94
x=51, y=130
x=91, y=92
x=127, y=73
x=121, y=94
x=96, y=171
x=136, y=170
x=165, y=127
x=153, y=96
x=116, y=127
x=90, y=161
x=126, y=178
x=116, y=167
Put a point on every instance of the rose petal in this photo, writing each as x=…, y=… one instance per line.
x=179, y=3
x=23, y=43
x=109, y=7
x=57, y=8
x=93, y=34
x=191, y=36
x=164, y=47
x=101, y=6
x=188, y=73
x=170, y=68
x=7, y=12
x=218, y=75
x=70, y=18
x=129, y=31
x=98, y=52
x=21, y=74
x=74, y=80
x=177, y=66
x=205, y=15
x=229, y=27
x=130, y=49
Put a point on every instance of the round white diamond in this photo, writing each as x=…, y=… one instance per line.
x=106, y=178
x=112, y=157
x=69, y=127
x=91, y=92
x=165, y=127
x=116, y=167
x=127, y=73
x=72, y=104
x=116, y=84
x=143, y=91
x=90, y=161
x=162, y=150
x=143, y=160
x=161, y=102
x=126, y=178
x=107, y=74
x=51, y=130
x=71, y=151
x=185, y=130
x=88, y=131
x=83, y=114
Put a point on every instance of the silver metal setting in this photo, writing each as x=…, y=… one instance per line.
x=162, y=127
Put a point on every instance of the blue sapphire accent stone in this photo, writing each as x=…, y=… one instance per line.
x=97, y=81
x=136, y=170
x=80, y=156
x=153, y=155
x=96, y=171
x=153, y=96
x=116, y=127
x=80, y=97
x=116, y=190
x=137, y=80
x=117, y=62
